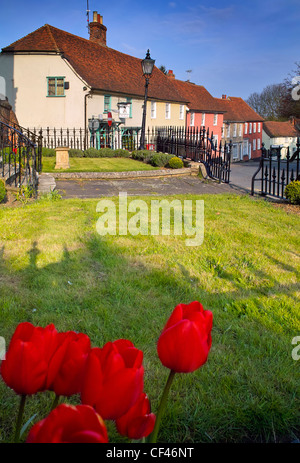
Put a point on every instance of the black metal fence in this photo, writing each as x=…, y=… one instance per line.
x=193, y=143
x=275, y=173
x=197, y=145
x=20, y=156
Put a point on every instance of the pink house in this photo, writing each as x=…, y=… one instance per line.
x=203, y=109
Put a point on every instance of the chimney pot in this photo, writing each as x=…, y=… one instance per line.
x=171, y=74
x=224, y=97
x=98, y=30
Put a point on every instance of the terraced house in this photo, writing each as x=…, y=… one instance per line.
x=203, y=109
x=57, y=79
x=243, y=126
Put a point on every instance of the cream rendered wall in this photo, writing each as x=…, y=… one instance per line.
x=285, y=142
x=160, y=119
x=26, y=78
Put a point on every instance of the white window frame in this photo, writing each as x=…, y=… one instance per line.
x=168, y=110
x=228, y=131
x=254, y=127
x=240, y=130
x=246, y=128
x=254, y=144
x=153, y=109
x=234, y=130
x=192, y=119
x=215, y=119
x=203, y=119
x=258, y=127
x=181, y=112
x=250, y=127
x=258, y=144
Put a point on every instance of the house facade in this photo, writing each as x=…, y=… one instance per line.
x=57, y=79
x=281, y=135
x=203, y=110
x=243, y=127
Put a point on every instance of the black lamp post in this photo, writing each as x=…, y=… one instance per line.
x=147, y=66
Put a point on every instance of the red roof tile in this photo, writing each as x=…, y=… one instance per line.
x=198, y=97
x=238, y=110
x=101, y=67
x=280, y=129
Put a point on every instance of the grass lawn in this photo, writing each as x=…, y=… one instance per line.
x=97, y=165
x=55, y=268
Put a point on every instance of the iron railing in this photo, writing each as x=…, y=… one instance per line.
x=192, y=143
x=20, y=156
x=198, y=145
x=275, y=173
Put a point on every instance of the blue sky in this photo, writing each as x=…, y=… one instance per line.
x=232, y=47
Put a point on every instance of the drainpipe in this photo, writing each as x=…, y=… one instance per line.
x=87, y=95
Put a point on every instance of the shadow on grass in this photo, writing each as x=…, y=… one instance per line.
x=247, y=389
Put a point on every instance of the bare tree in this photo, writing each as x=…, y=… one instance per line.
x=290, y=104
x=268, y=103
x=163, y=69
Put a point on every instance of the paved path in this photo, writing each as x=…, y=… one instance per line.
x=242, y=172
x=142, y=186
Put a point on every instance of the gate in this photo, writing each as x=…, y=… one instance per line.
x=20, y=156
x=197, y=145
x=275, y=173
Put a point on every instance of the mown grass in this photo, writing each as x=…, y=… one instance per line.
x=54, y=267
x=97, y=165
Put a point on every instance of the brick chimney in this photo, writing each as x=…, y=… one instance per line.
x=171, y=74
x=97, y=30
x=224, y=97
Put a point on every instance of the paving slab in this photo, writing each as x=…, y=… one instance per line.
x=142, y=186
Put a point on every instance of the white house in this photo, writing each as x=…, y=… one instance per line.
x=281, y=134
x=57, y=79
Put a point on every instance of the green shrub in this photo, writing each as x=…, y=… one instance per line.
x=175, y=163
x=143, y=155
x=75, y=153
x=2, y=190
x=48, y=152
x=160, y=159
x=91, y=153
x=121, y=153
x=292, y=192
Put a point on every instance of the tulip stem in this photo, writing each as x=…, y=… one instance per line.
x=20, y=417
x=55, y=402
x=161, y=408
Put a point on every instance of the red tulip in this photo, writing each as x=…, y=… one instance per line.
x=27, y=358
x=69, y=424
x=66, y=368
x=113, y=378
x=138, y=422
x=185, y=341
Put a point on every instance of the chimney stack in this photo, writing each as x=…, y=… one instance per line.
x=97, y=30
x=171, y=74
x=224, y=97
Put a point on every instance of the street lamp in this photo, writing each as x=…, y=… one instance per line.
x=147, y=67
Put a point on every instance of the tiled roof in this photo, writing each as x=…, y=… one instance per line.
x=100, y=67
x=198, y=97
x=280, y=129
x=238, y=110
